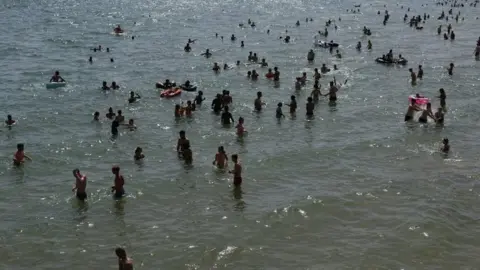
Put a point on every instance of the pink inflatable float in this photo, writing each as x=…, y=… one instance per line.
x=420, y=100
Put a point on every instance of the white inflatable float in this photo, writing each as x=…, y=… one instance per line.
x=53, y=85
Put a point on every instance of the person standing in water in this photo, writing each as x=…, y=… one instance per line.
x=182, y=141
x=446, y=146
x=124, y=262
x=221, y=158
x=227, y=117
x=412, y=108
x=420, y=72
x=332, y=93
x=118, y=182
x=19, y=157
x=426, y=113
x=258, y=103
x=80, y=185
x=237, y=171
x=450, y=69
x=240, y=129
x=292, y=105
x=442, y=98
x=413, y=76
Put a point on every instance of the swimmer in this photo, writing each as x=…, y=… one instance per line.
x=10, y=122
x=242, y=44
x=332, y=93
x=227, y=117
x=452, y=36
x=188, y=109
x=221, y=158
x=96, y=117
x=19, y=157
x=217, y=104
x=298, y=23
x=255, y=57
x=133, y=97
x=118, y=29
x=369, y=45
x=80, y=185
x=269, y=74
x=226, y=98
x=225, y=66
x=335, y=67
x=124, y=263
x=131, y=125
x=114, y=86
x=120, y=118
x=207, y=53
x=426, y=113
x=279, y=114
x=445, y=148
x=90, y=59
x=442, y=98
x=298, y=84
x=263, y=63
x=412, y=108
x=450, y=69
x=324, y=69
x=238, y=63
x=413, y=76
x=199, y=98
x=420, y=72
x=316, y=74
x=138, y=154
x=182, y=141
x=439, y=116
x=56, y=77
x=187, y=48
x=187, y=154
x=310, y=56
x=359, y=46
x=216, y=67
x=316, y=92
x=310, y=107
x=114, y=128
x=338, y=54
x=258, y=103
x=105, y=86
x=178, y=111
x=292, y=105
x=110, y=115
x=118, y=183
x=233, y=38
x=254, y=75
x=237, y=171
x=276, y=74
x=250, y=56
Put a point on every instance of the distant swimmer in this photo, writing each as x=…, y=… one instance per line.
x=105, y=87
x=216, y=67
x=359, y=46
x=110, y=115
x=316, y=93
x=120, y=118
x=263, y=63
x=118, y=29
x=450, y=69
x=124, y=263
x=56, y=77
x=207, y=53
x=191, y=41
x=310, y=107
x=338, y=54
x=131, y=125
x=439, y=116
x=182, y=140
x=269, y=74
x=412, y=108
x=413, y=76
x=217, y=104
x=187, y=48
x=445, y=148
x=420, y=72
x=442, y=98
x=114, y=128
x=298, y=23
x=226, y=117
x=138, y=154
x=278, y=113
x=240, y=129
x=118, y=183
x=311, y=56
x=80, y=185
x=199, y=98
x=233, y=38
x=221, y=158
x=276, y=74
x=237, y=171
x=324, y=69
x=10, y=122
x=90, y=59
x=242, y=44
x=133, y=97
x=258, y=103
x=332, y=93
x=292, y=105
x=114, y=86
x=452, y=36
x=19, y=157
x=426, y=113
x=96, y=117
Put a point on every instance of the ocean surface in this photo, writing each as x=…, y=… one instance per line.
x=354, y=188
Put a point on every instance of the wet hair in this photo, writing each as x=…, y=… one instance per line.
x=413, y=101
x=115, y=168
x=240, y=119
x=279, y=104
x=292, y=97
x=221, y=149
x=225, y=108
x=119, y=111
x=234, y=157
x=20, y=146
x=445, y=140
x=121, y=253
x=182, y=132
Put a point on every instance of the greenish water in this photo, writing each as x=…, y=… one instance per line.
x=354, y=188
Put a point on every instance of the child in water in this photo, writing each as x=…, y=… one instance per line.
x=221, y=158
x=118, y=183
x=9, y=122
x=138, y=154
x=240, y=129
x=178, y=110
x=19, y=157
x=446, y=146
x=237, y=171
x=279, y=113
x=182, y=141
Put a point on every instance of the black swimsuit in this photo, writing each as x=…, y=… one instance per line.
x=81, y=195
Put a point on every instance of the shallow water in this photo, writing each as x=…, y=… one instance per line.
x=354, y=188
